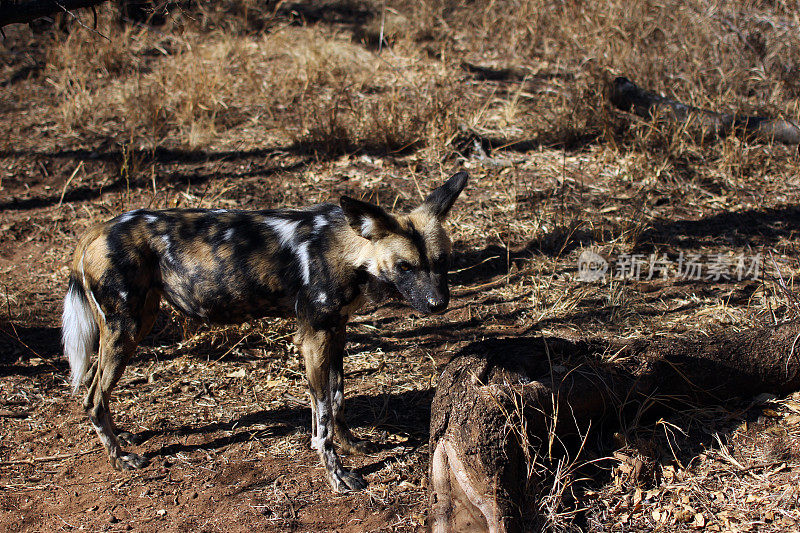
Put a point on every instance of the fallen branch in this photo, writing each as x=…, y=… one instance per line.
x=7, y=413
x=625, y=95
x=47, y=458
x=746, y=469
x=494, y=74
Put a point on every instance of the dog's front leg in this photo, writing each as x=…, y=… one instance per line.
x=342, y=433
x=316, y=345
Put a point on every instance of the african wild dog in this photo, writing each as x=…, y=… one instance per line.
x=320, y=264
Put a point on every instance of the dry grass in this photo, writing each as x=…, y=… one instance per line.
x=310, y=85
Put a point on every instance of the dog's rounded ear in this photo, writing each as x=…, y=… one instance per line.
x=439, y=202
x=368, y=220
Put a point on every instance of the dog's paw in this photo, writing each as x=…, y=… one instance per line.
x=346, y=481
x=130, y=461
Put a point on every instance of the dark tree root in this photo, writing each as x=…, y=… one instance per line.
x=24, y=11
x=503, y=405
x=625, y=95
x=29, y=11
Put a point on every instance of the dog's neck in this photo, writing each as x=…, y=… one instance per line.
x=356, y=251
x=358, y=254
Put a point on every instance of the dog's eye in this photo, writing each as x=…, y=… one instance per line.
x=403, y=266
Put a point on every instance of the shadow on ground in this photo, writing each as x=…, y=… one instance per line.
x=406, y=413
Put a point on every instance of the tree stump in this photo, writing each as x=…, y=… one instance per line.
x=503, y=406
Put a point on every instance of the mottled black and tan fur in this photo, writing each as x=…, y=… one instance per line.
x=319, y=264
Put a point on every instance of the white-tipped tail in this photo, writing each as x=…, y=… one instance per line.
x=78, y=331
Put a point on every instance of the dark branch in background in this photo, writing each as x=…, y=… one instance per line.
x=25, y=11
x=625, y=95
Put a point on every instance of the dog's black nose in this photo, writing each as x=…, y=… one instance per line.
x=437, y=306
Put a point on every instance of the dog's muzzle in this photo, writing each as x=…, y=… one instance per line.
x=437, y=305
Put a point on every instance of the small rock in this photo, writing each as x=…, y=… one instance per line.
x=699, y=521
x=405, y=485
x=237, y=373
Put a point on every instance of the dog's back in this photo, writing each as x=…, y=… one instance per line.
x=221, y=265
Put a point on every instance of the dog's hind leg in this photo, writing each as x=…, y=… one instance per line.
x=89, y=376
x=342, y=432
x=316, y=345
x=116, y=348
x=148, y=315
x=124, y=437
x=117, y=344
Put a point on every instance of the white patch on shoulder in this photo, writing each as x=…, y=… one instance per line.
x=150, y=218
x=320, y=222
x=167, y=251
x=305, y=261
x=218, y=211
x=228, y=234
x=322, y=298
x=285, y=229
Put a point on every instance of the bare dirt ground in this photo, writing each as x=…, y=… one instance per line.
x=296, y=106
